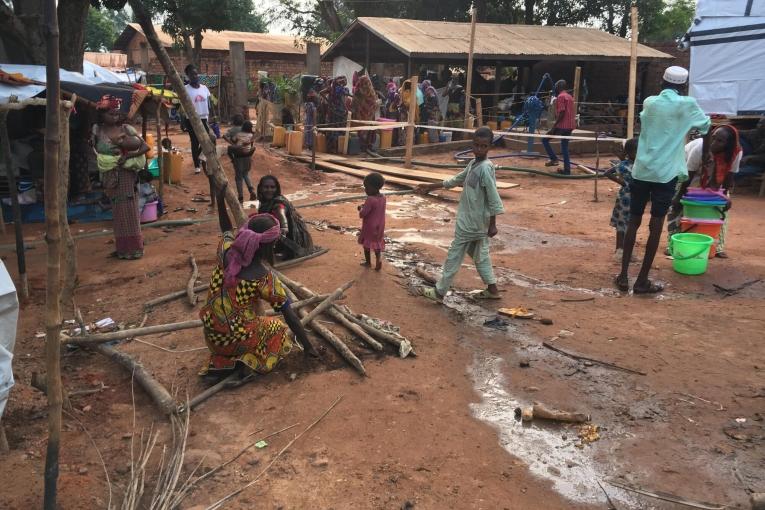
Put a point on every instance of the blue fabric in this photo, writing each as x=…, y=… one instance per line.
x=665, y=121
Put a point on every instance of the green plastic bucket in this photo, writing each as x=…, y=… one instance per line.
x=690, y=252
x=702, y=210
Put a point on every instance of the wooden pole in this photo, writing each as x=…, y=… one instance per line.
x=159, y=142
x=633, y=73
x=577, y=84
x=21, y=261
x=479, y=111
x=347, y=137
x=53, y=317
x=497, y=88
x=469, y=77
x=411, y=118
x=67, y=251
x=313, y=148
x=597, y=167
x=239, y=73
x=213, y=165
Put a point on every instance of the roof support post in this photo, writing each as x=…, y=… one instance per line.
x=633, y=73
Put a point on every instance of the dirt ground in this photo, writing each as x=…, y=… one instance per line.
x=436, y=430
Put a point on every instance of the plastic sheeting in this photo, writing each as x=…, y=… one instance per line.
x=9, y=314
x=92, y=75
x=343, y=66
x=727, y=76
x=729, y=8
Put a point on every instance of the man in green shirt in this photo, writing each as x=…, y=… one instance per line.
x=477, y=212
x=665, y=122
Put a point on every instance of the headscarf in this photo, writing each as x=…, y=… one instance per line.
x=243, y=249
x=109, y=102
x=723, y=160
x=424, y=85
x=364, y=100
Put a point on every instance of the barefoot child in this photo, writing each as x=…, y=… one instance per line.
x=477, y=212
x=372, y=215
x=622, y=175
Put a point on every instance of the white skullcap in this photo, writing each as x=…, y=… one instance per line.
x=676, y=74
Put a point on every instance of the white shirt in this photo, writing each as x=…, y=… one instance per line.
x=693, y=150
x=200, y=97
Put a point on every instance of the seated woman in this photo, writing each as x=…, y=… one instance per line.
x=239, y=338
x=295, y=239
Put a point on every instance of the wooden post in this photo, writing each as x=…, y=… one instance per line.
x=5, y=148
x=159, y=142
x=67, y=250
x=597, y=167
x=633, y=73
x=469, y=77
x=366, y=54
x=313, y=58
x=497, y=88
x=213, y=165
x=53, y=317
x=410, y=120
x=479, y=111
x=313, y=148
x=577, y=83
x=239, y=74
x=347, y=132
x=145, y=57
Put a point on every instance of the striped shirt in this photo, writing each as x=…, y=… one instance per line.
x=565, y=103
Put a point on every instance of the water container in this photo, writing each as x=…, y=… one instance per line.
x=386, y=138
x=447, y=135
x=492, y=125
x=320, y=140
x=152, y=143
x=149, y=212
x=280, y=136
x=690, y=253
x=172, y=162
x=295, y=143
x=423, y=138
x=711, y=228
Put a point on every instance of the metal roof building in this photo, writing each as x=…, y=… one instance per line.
x=389, y=40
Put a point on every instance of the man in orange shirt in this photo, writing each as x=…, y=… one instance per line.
x=565, y=122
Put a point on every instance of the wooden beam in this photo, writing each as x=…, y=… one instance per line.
x=633, y=73
x=577, y=85
x=239, y=74
x=411, y=119
x=469, y=77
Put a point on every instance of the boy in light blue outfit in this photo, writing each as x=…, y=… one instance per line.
x=477, y=212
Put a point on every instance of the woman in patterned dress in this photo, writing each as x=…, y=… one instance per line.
x=237, y=336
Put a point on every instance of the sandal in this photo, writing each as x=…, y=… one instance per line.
x=622, y=285
x=485, y=294
x=432, y=294
x=721, y=255
x=651, y=288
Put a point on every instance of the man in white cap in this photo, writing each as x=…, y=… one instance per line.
x=665, y=121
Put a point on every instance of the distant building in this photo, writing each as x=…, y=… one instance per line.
x=275, y=54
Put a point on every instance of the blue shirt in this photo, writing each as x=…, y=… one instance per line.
x=665, y=121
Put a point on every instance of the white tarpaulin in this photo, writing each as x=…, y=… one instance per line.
x=728, y=62
x=727, y=8
x=343, y=66
x=9, y=313
x=92, y=75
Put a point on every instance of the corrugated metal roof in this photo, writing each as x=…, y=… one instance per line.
x=253, y=42
x=424, y=39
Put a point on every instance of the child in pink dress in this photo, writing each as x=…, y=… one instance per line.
x=372, y=215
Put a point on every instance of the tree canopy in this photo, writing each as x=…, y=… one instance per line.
x=102, y=27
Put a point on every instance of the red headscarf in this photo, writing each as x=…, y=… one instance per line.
x=109, y=102
x=722, y=160
x=247, y=242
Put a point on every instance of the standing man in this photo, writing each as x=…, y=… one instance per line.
x=565, y=122
x=665, y=121
x=200, y=96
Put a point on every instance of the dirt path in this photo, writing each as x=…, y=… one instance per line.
x=409, y=432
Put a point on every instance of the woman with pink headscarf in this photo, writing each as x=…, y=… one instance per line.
x=238, y=338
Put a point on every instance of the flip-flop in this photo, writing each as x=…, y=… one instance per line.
x=721, y=255
x=432, y=294
x=652, y=288
x=517, y=313
x=621, y=285
x=485, y=294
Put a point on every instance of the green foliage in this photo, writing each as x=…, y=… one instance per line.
x=672, y=22
x=102, y=27
x=287, y=88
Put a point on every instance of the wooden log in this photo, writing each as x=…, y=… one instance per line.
x=192, y=280
x=403, y=345
x=68, y=253
x=479, y=111
x=347, y=137
x=592, y=360
x=411, y=119
x=577, y=85
x=300, y=260
x=326, y=303
x=228, y=382
x=350, y=198
x=469, y=77
x=144, y=18
x=5, y=148
x=161, y=397
x=338, y=344
x=355, y=329
x=159, y=141
x=53, y=317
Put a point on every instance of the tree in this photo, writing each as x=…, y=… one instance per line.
x=251, y=21
x=672, y=22
x=186, y=20
x=102, y=27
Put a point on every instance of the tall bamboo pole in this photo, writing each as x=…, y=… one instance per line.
x=411, y=119
x=159, y=140
x=469, y=77
x=53, y=238
x=213, y=165
x=633, y=73
x=577, y=87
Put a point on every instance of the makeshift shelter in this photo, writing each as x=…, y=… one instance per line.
x=727, y=44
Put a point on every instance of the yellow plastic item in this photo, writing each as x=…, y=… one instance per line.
x=295, y=143
x=518, y=312
x=321, y=142
x=505, y=125
x=172, y=162
x=152, y=143
x=280, y=137
x=386, y=138
x=492, y=125
x=423, y=139
x=341, y=144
